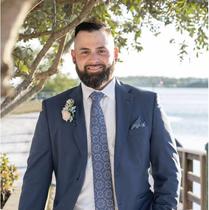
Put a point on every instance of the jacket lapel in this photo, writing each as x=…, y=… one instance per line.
x=79, y=131
x=124, y=104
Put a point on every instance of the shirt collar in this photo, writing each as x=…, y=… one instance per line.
x=108, y=91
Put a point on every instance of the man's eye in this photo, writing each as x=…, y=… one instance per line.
x=84, y=52
x=102, y=51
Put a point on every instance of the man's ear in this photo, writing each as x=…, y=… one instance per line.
x=73, y=55
x=116, y=53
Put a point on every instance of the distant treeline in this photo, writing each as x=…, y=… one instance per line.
x=142, y=81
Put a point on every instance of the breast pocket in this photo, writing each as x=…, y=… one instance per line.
x=139, y=144
x=133, y=132
x=136, y=150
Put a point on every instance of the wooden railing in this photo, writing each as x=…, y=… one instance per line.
x=187, y=196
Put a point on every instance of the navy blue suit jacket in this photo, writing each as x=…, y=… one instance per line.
x=60, y=147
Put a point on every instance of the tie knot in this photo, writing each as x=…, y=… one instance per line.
x=96, y=96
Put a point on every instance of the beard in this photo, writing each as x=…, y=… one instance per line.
x=97, y=79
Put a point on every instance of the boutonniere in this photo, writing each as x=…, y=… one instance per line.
x=68, y=112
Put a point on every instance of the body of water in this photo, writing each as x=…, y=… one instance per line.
x=187, y=110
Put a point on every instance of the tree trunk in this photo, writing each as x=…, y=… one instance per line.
x=13, y=13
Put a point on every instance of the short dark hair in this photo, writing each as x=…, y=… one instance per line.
x=92, y=26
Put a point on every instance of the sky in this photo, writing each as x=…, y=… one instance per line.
x=159, y=58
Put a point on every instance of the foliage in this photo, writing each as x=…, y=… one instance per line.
x=124, y=17
x=52, y=23
x=8, y=176
x=60, y=83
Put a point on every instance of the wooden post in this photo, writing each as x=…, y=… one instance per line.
x=206, y=192
x=203, y=181
x=184, y=194
x=187, y=185
x=181, y=166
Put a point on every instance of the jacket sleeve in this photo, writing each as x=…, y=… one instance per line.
x=165, y=162
x=37, y=178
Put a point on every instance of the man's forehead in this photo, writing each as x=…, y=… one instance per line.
x=98, y=38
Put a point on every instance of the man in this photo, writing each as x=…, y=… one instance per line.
x=102, y=144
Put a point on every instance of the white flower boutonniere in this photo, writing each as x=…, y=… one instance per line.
x=68, y=112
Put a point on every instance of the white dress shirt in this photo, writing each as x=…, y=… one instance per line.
x=85, y=200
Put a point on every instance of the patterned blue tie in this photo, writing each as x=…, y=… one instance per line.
x=103, y=190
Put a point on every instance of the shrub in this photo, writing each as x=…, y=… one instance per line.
x=8, y=176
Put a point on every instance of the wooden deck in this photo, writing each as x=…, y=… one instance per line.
x=188, y=196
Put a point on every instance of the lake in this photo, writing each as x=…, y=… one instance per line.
x=187, y=110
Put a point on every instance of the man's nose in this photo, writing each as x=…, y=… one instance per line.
x=94, y=58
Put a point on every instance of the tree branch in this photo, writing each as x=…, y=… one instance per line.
x=68, y=45
x=54, y=68
x=15, y=93
x=88, y=6
x=70, y=10
x=30, y=94
x=54, y=15
x=36, y=4
x=40, y=5
x=54, y=36
x=69, y=27
x=27, y=83
x=34, y=35
x=70, y=2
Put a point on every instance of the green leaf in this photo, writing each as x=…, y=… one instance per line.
x=136, y=19
x=24, y=68
x=41, y=28
x=132, y=9
x=21, y=63
x=172, y=41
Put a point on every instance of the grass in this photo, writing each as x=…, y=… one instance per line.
x=31, y=106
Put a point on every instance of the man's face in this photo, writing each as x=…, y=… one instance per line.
x=94, y=56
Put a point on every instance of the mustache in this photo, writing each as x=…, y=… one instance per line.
x=94, y=65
